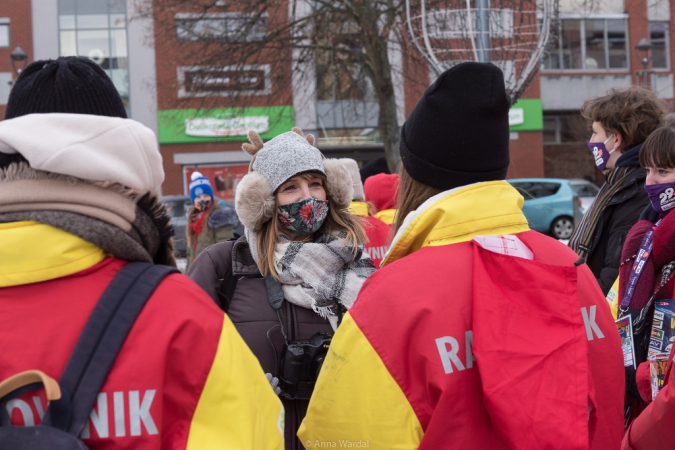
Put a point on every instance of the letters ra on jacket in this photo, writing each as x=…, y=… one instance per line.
x=448, y=346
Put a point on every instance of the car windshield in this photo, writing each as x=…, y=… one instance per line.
x=177, y=207
x=532, y=190
x=585, y=189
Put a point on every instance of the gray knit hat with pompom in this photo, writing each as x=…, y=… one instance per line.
x=285, y=156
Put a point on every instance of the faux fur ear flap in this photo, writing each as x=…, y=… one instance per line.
x=309, y=137
x=255, y=145
x=339, y=182
x=254, y=201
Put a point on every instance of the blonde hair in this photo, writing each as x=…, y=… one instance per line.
x=337, y=220
x=411, y=195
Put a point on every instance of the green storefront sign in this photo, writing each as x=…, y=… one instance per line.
x=526, y=115
x=187, y=126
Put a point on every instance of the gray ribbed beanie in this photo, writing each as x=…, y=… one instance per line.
x=286, y=156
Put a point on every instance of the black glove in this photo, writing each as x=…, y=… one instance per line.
x=631, y=384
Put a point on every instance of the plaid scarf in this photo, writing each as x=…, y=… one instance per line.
x=323, y=273
x=582, y=238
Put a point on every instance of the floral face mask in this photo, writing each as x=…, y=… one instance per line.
x=303, y=217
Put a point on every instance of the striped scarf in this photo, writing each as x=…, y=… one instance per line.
x=582, y=237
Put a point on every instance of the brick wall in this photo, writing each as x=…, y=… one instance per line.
x=527, y=159
x=571, y=161
x=172, y=54
x=20, y=33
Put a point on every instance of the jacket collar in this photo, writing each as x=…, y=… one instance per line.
x=458, y=215
x=26, y=259
x=630, y=158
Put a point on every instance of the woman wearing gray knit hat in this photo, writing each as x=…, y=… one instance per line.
x=299, y=267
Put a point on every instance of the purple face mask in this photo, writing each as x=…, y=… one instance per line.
x=662, y=196
x=600, y=153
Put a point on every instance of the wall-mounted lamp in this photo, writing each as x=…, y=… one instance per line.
x=18, y=56
x=644, y=47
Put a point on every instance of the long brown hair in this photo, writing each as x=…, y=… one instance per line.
x=336, y=221
x=411, y=194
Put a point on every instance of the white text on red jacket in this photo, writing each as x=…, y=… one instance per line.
x=117, y=415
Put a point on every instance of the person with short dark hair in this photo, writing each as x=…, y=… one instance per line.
x=620, y=122
x=650, y=245
x=79, y=201
x=476, y=332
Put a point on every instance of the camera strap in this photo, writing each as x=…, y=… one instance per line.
x=275, y=295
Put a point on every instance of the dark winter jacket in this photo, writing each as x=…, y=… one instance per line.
x=621, y=213
x=254, y=317
x=218, y=228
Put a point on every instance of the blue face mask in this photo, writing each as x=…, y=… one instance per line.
x=600, y=153
x=662, y=196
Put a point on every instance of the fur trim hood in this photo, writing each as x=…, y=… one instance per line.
x=294, y=153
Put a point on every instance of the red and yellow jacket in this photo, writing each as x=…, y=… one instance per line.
x=184, y=378
x=450, y=345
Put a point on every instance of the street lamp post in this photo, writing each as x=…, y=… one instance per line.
x=644, y=47
x=18, y=56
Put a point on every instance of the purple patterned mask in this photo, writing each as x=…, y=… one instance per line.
x=303, y=217
x=600, y=153
x=662, y=196
x=203, y=205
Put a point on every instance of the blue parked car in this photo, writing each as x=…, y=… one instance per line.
x=552, y=204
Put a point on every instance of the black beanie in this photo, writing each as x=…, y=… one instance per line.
x=72, y=84
x=458, y=133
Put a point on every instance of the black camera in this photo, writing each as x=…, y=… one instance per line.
x=301, y=364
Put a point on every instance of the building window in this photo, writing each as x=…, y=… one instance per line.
x=588, y=44
x=565, y=128
x=4, y=34
x=97, y=29
x=221, y=27
x=347, y=110
x=658, y=35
